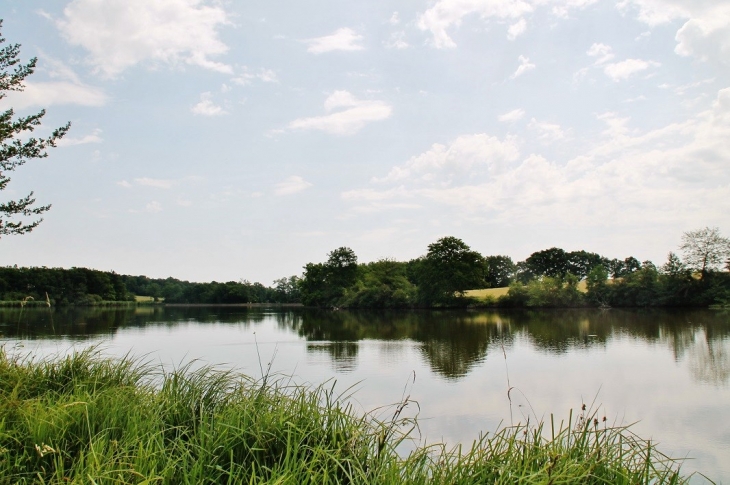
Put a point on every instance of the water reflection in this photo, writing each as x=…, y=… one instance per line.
x=342, y=354
x=452, y=343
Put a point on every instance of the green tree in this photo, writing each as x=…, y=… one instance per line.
x=551, y=262
x=619, y=268
x=16, y=147
x=498, y=271
x=548, y=291
x=705, y=249
x=342, y=266
x=324, y=284
x=449, y=269
x=597, y=285
x=674, y=265
x=286, y=290
x=382, y=284
x=580, y=263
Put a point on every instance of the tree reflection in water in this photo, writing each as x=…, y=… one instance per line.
x=451, y=342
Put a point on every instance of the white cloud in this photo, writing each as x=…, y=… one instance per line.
x=119, y=34
x=207, y=107
x=464, y=155
x=655, y=12
x=664, y=175
x=603, y=52
x=705, y=33
x=641, y=97
x=517, y=29
x=124, y=183
x=153, y=207
x=157, y=183
x=449, y=13
x=65, y=88
x=547, y=132
x=512, y=116
x=56, y=93
x=344, y=39
x=150, y=208
x=397, y=40
x=291, y=185
x=682, y=90
x=93, y=137
x=372, y=195
x=525, y=66
x=561, y=8
x=354, y=115
x=247, y=77
x=394, y=19
x=620, y=71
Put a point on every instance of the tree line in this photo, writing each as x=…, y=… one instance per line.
x=440, y=278
x=84, y=287
x=547, y=278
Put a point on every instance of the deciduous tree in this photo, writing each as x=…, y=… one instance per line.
x=705, y=249
x=552, y=262
x=498, y=271
x=324, y=284
x=448, y=270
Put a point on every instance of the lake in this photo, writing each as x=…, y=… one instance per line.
x=666, y=371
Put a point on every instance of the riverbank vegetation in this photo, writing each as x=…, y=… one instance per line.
x=88, y=287
x=443, y=277
x=87, y=419
x=449, y=272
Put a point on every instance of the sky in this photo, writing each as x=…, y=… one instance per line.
x=225, y=140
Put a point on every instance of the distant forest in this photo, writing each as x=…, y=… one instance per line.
x=440, y=278
x=84, y=287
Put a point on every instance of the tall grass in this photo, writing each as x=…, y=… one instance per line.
x=88, y=419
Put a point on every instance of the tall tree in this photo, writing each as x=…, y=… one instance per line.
x=705, y=249
x=324, y=284
x=552, y=262
x=674, y=265
x=16, y=147
x=580, y=263
x=498, y=271
x=448, y=270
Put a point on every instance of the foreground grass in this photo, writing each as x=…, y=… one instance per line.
x=87, y=419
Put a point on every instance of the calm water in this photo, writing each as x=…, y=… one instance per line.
x=667, y=371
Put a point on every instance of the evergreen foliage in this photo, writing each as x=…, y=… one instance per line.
x=16, y=146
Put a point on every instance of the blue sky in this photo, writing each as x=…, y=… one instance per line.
x=221, y=140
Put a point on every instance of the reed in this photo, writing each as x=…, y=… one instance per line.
x=88, y=419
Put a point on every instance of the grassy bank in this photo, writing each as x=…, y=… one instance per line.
x=495, y=293
x=86, y=419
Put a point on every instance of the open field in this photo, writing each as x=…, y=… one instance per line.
x=86, y=419
x=487, y=292
x=497, y=292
